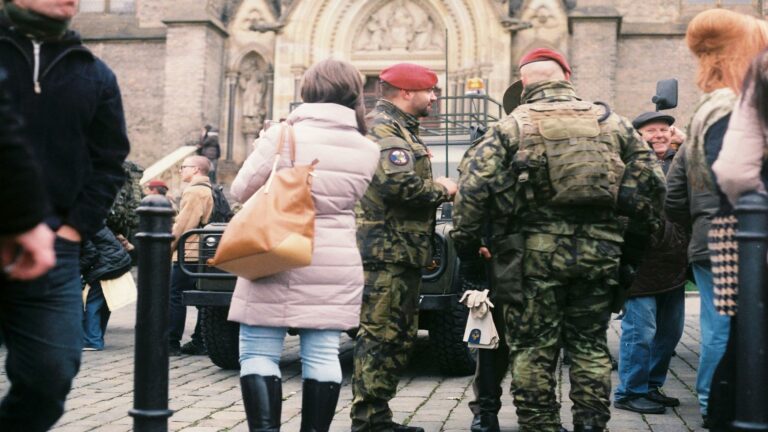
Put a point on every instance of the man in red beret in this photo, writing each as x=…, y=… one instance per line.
x=395, y=223
x=546, y=54
x=556, y=239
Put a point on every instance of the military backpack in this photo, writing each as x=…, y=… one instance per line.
x=563, y=159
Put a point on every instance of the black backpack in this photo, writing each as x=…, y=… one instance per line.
x=222, y=212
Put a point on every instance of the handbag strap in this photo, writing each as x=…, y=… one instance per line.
x=287, y=134
x=290, y=136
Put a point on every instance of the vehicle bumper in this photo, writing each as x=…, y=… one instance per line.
x=436, y=301
x=207, y=298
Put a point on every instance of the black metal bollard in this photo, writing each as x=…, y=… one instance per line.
x=752, y=342
x=150, y=381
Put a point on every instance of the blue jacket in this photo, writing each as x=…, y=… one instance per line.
x=73, y=119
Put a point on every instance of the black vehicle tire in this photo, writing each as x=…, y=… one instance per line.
x=446, y=331
x=221, y=337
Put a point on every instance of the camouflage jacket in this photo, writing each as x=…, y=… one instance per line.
x=395, y=217
x=489, y=183
x=122, y=217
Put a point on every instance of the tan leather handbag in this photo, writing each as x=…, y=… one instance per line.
x=275, y=229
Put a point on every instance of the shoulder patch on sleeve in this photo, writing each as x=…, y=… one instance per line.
x=398, y=157
x=396, y=160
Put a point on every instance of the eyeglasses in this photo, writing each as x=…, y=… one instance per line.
x=187, y=166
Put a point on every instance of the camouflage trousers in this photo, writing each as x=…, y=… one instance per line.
x=388, y=326
x=567, y=288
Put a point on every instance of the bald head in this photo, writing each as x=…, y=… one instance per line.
x=194, y=165
x=201, y=162
x=545, y=70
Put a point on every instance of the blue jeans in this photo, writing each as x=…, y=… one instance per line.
x=95, y=317
x=650, y=330
x=260, y=349
x=714, y=333
x=41, y=324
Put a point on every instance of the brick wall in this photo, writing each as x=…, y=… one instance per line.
x=645, y=60
x=139, y=67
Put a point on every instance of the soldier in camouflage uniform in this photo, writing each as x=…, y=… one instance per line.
x=561, y=171
x=395, y=222
x=123, y=218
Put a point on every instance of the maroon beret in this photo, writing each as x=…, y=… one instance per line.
x=542, y=54
x=408, y=76
x=156, y=184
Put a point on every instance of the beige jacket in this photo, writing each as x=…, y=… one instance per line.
x=739, y=163
x=195, y=209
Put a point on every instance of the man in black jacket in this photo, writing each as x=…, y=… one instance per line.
x=26, y=243
x=74, y=127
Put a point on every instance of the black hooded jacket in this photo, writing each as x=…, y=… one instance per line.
x=73, y=123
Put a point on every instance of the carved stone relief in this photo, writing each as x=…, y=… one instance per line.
x=548, y=20
x=252, y=83
x=549, y=26
x=253, y=21
x=400, y=25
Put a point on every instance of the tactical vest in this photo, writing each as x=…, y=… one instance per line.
x=564, y=157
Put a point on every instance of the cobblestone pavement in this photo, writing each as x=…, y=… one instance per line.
x=206, y=398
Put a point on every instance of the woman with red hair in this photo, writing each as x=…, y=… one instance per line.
x=724, y=42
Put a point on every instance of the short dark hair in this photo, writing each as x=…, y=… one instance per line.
x=388, y=91
x=335, y=81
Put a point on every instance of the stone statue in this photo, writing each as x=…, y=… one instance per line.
x=253, y=86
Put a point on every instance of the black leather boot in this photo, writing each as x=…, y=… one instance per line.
x=318, y=405
x=485, y=422
x=582, y=428
x=262, y=400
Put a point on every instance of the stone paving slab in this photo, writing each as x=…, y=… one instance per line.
x=207, y=399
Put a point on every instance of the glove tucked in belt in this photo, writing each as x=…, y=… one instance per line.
x=480, y=331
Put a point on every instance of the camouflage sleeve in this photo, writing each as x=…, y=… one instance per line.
x=478, y=171
x=642, y=190
x=395, y=179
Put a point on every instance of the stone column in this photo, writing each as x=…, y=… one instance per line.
x=594, y=27
x=194, y=70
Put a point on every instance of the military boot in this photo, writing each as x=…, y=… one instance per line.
x=487, y=389
x=318, y=405
x=583, y=428
x=262, y=400
x=403, y=428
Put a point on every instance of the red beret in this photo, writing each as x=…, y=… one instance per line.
x=408, y=76
x=156, y=184
x=541, y=54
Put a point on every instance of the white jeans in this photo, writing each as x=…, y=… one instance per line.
x=260, y=349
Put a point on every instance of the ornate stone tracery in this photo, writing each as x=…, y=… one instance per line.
x=400, y=26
